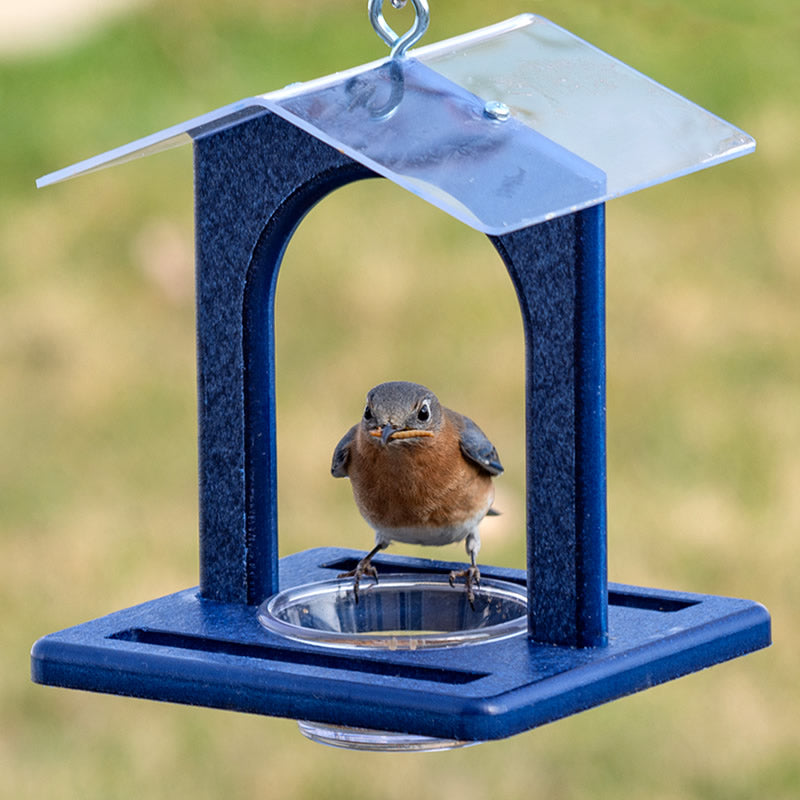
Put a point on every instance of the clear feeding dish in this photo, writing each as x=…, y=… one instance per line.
x=376, y=741
x=400, y=612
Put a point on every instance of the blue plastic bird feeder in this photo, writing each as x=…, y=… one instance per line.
x=521, y=131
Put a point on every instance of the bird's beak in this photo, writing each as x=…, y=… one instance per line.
x=386, y=433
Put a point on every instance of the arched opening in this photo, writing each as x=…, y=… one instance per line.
x=378, y=285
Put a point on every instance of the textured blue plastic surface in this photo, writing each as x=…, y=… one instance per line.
x=185, y=649
x=558, y=270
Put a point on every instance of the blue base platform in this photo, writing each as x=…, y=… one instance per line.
x=184, y=649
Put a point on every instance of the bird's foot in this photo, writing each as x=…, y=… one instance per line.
x=472, y=577
x=364, y=567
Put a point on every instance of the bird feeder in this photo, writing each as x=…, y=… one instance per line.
x=521, y=131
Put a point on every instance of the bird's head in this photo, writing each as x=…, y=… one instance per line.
x=400, y=411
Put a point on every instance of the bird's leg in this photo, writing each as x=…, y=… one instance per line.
x=364, y=567
x=471, y=576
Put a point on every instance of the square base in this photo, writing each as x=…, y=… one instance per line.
x=182, y=648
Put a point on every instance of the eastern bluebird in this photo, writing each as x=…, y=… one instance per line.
x=421, y=474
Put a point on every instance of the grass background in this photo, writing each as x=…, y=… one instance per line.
x=97, y=396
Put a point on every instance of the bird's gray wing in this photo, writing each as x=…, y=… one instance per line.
x=341, y=455
x=477, y=447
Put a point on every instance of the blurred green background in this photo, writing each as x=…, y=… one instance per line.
x=97, y=395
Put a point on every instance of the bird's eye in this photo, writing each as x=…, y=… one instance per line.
x=424, y=413
x=367, y=413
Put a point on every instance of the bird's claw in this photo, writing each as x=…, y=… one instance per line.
x=472, y=577
x=364, y=567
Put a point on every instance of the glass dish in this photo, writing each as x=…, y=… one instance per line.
x=400, y=612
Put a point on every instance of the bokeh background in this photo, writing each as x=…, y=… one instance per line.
x=97, y=390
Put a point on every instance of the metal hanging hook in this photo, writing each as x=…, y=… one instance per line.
x=400, y=44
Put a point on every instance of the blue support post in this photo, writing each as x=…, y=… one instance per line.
x=558, y=270
x=245, y=216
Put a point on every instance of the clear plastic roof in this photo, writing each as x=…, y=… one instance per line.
x=501, y=128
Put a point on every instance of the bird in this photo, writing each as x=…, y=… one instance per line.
x=420, y=473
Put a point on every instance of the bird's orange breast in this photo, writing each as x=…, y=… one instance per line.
x=417, y=482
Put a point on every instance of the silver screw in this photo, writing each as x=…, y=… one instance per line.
x=496, y=110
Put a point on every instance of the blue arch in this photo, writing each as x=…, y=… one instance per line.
x=255, y=182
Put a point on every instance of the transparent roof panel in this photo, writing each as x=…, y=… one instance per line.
x=432, y=137
x=582, y=127
x=635, y=130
